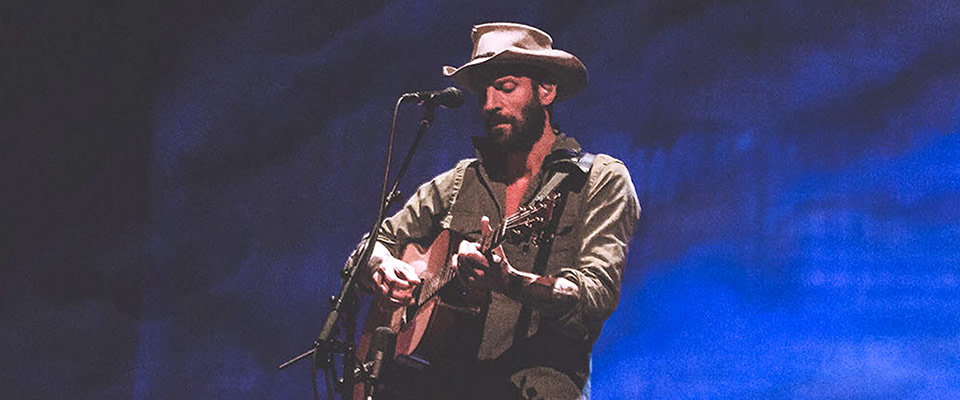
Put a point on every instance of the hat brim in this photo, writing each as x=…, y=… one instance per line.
x=569, y=73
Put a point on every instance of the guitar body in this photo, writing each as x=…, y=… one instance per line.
x=444, y=325
x=444, y=329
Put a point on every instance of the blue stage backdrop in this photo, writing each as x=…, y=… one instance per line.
x=186, y=182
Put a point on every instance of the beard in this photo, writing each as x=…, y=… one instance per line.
x=522, y=132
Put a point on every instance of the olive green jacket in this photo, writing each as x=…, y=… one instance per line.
x=589, y=248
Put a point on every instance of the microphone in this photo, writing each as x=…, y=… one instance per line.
x=450, y=97
x=383, y=345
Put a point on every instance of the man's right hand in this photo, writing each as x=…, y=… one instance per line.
x=392, y=278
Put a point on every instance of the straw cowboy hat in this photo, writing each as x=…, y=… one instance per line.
x=511, y=43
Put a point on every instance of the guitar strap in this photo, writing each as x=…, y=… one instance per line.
x=563, y=169
x=561, y=173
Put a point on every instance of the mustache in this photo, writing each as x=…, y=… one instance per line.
x=494, y=119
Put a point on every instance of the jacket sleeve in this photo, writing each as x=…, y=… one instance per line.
x=419, y=219
x=611, y=213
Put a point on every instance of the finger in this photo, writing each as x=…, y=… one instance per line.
x=379, y=282
x=409, y=275
x=478, y=274
x=405, y=296
x=485, y=229
x=468, y=271
x=401, y=296
x=496, y=256
x=473, y=260
x=468, y=247
x=397, y=295
x=395, y=281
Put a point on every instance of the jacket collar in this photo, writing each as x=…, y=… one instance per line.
x=564, y=149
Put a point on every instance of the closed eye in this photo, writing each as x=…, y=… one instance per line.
x=506, y=86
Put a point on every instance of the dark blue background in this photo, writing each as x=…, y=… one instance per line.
x=182, y=182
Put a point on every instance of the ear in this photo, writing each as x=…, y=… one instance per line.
x=546, y=93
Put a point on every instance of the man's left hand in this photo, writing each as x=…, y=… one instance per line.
x=482, y=271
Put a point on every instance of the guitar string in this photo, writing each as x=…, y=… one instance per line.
x=509, y=222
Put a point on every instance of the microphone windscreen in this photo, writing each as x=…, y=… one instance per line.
x=385, y=340
x=452, y=96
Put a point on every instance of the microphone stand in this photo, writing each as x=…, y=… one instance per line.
x=325, y=346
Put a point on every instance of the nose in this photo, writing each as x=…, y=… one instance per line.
x=491, y=100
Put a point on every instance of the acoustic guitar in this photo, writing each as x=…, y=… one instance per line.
x=444, y=324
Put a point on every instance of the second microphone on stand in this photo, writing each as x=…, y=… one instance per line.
x=450, y=97
x=379, y=356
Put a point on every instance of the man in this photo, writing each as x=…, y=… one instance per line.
x=545, y=302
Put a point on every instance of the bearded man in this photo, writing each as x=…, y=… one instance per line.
x=543, y=301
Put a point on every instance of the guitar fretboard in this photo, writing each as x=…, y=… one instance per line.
x=529, y=218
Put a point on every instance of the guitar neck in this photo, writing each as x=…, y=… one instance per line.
x=430, y=287
x=527, y=221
